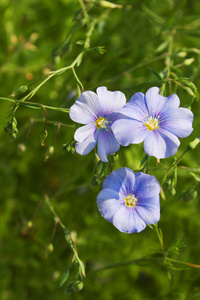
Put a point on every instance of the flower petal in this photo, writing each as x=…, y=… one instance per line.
x=107, y=144
x=108, y=203
x=84, y=132
x=86, y=109
x=161, y=143
x=171, y=103
x=110, y=101
x=146, y=186
x=136, y=108
x=128, y=221
x=157, y=103
x=121, y=180
x=88, y=144
x=128, y=131
x=149, y=210
x=178, y=122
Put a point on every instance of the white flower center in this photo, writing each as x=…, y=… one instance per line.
x=130, y=200
x=152, y=123
x=101, y=123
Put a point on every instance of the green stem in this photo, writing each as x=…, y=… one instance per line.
x=169, y=58
x=49, y=76
x=32, y=93
x=58, y=129
x=140, y=262
x=55, y=123
x=34, y=104
x=160, y=237
x=79, y=83
x=149, y=259
x=67, y=236
x=183, y=263
x=89, y=34
x=174, y=164
x=84, y=11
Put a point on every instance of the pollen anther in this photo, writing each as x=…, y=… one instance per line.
x=130, y=200
x=101, y=123
x=152, y=123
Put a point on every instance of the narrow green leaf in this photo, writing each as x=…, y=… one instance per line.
x=143, y=160
x=162, y=46
x=196, y=177
x=31, y=105
x=64, y=278
x=155, y=73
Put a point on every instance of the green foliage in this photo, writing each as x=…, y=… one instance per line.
x=51, y=231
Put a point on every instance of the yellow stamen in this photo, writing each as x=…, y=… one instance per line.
x=152, y=123
x=130, y=200
x=101, y=123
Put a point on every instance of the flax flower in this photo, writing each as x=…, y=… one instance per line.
x=97, y=112
x=156, y=120
x=130, y=200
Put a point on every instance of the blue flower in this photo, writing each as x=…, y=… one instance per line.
x=130, y=200
x=156, y=120
x=97, y=112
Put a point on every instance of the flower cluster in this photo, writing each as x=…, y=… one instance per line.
x=128, y=200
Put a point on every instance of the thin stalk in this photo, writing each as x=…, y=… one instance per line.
x=55, y=123
x=160, y=237
x=84, y=11
x=67, y=236
x=183, y=263
x=34, y=105
x=54, y=140
x=174, y=164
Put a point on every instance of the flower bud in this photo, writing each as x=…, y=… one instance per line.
x=56, y=60
x=77, y=286
x=69, y=147
x=43, y=136
x=108, y=4
x=192, y=145
x=21, y=148
x=190, y=91
x=188, y=61
x=11, y=128
x=21, y=90
x=172, y=191
x=182, y=54
x=98, y=168
x=49, y=249
x=14, y=121
x=56, y=275
x=49, y=152
x=74, y=287
x=29, y=224
x=189, y=194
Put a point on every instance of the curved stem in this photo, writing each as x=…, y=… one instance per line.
x=54, y=140
x=174, y=164
x=183, y=263
x=36, y=105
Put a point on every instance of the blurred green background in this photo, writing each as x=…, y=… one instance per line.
x=146, y=42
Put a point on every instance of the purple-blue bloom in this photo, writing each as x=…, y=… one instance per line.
x=97, y=112
x=156, y=120
x=130, y=200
